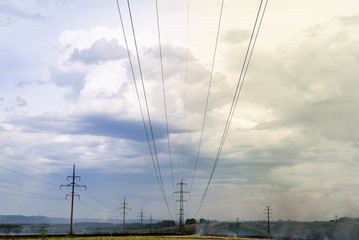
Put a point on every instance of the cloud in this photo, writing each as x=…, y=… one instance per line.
x=20, y=102
x=10, y=12
x=236, y=36
x=350, y=20
x=291, y=139
x=6, y=20
x=100, y=51
x=93, y=125
x=72, y=80
x=16, y=103
x=107, y=126
x=31, y=83
x=305, y=99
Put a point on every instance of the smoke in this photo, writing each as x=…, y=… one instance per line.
x=319, y=230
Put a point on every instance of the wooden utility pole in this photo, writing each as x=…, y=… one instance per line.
x=73, y=184
x=141, y=217
x=124, y=207
x=237, y=226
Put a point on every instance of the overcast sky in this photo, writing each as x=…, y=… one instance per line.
x=67, y=97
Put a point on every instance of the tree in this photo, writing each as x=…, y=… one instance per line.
x=168, y=223
x=202, y=220
x=190, y=221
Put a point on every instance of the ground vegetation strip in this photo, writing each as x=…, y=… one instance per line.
x=142, y=238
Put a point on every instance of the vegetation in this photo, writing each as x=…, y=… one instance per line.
x=191, y=221
x=10, y=228
x=344, y=229
x=145, y=238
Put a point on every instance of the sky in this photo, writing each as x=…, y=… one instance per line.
x=68, y=97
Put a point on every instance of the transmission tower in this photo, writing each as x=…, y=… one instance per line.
x=141, y=217
x=73, y=194
x=268, y=212
x=124, y=207
x=237, y=226
x=151, y=223
x=181, y=213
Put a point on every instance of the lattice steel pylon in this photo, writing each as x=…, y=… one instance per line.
x=181, y=200
x=268, y=212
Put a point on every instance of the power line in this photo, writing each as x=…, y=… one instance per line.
x=102, y=202
x=24, y=163
x=29, y=194
x=24, y=175
x=146, y=102
x=97, y=197
x=158, y=173
x=28, y=186
x=164, y=92
x=137, y=93
x=245, y=65
x=88, y=211
x=185, y=91
x=208, y=92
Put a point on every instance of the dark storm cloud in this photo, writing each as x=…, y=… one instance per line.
x=101, y=50
x=107, y=126
x=94, y=125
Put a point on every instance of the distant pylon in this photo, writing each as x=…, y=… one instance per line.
x=268, y=212
x=141, y=217
x=72, y=185
x=181, y=214
x=237, y=227
x=124, y=207
x=151, y=223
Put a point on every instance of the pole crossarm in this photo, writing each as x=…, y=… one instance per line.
x=73, y=185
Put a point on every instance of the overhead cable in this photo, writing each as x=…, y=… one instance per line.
x=208, y=93
x=157, y=169
x=185, y=93
x=249, y=52
x=164, y=92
